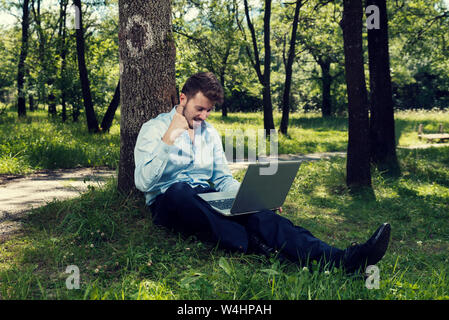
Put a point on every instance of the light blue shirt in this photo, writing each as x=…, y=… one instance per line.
x=159, y=165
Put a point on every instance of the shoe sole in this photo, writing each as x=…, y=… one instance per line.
x=381, y=241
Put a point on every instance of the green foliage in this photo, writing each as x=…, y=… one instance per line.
x=43, y=63
x=208, y=37
x=418, y=42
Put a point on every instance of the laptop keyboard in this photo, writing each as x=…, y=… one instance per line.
x=222, y=204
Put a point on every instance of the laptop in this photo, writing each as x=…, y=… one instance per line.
x=257, y=191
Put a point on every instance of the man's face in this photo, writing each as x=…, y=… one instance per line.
x=196, y=109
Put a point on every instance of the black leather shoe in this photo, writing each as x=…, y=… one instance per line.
x=257, y=246
x=368, y=253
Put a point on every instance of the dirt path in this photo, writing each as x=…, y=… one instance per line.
x=18, y=194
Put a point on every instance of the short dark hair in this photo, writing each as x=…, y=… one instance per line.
x=207, y=83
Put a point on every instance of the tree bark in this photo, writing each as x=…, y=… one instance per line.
x=110, y=112
x=288, y=72
x=42, y=75
x=51, y=104
x=21, y=106
x=31, y=102
x=92, y=123
x=147, y=74
x=326, y=80
x=382, y=130
x=267, y=104
x=358, y=164
x=63, y=53
x=265, y=77
x=224, y=107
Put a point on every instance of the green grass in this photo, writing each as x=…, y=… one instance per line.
x=122, y=255
x=407, y=123
x=37, y=142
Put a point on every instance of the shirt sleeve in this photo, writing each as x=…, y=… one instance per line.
x=151, y=155
x=222, y=176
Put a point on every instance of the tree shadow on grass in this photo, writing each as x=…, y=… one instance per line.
x=411, y=214
x=321, y=124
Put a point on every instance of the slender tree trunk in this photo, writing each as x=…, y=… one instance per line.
x=267, y=104
x=147, y=74
x=110, y=112
x=42, y=78
x=326, y=81
x=224, y=107
x=21, y=107
x=76, y=111
x=52, y=104
x=288, y=72
x=63, y=53
x=264, y=78
x=358, y=164
x=92, y=123
x=382, y=130
x=31, y=102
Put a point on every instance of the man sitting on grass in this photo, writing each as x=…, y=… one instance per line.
x=178, y=155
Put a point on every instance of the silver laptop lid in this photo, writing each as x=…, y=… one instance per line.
x=264, y=188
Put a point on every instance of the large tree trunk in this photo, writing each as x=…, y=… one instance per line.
x=21, y=107
x=147, y=74
x=92, y=123
x=382, y=132
x=358, y=164
x=288, y=72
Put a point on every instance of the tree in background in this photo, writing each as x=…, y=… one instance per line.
x=21, y=96
x=213, y=37
x=419, y=42
x=62, y=33
x=358, y=174
x=147, y=74
x=44, y=74
x=320, y=36
x=382, y=140
x=264, y=78
x=92, y=123
x=288, y=71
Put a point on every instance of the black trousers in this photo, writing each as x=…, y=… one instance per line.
x=181, y=210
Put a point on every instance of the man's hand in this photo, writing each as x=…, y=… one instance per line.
x=177, y=126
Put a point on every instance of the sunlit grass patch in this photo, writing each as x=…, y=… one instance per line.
x=38, y=142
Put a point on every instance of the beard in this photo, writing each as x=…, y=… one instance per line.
x=188, y=122
x=193, y=123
